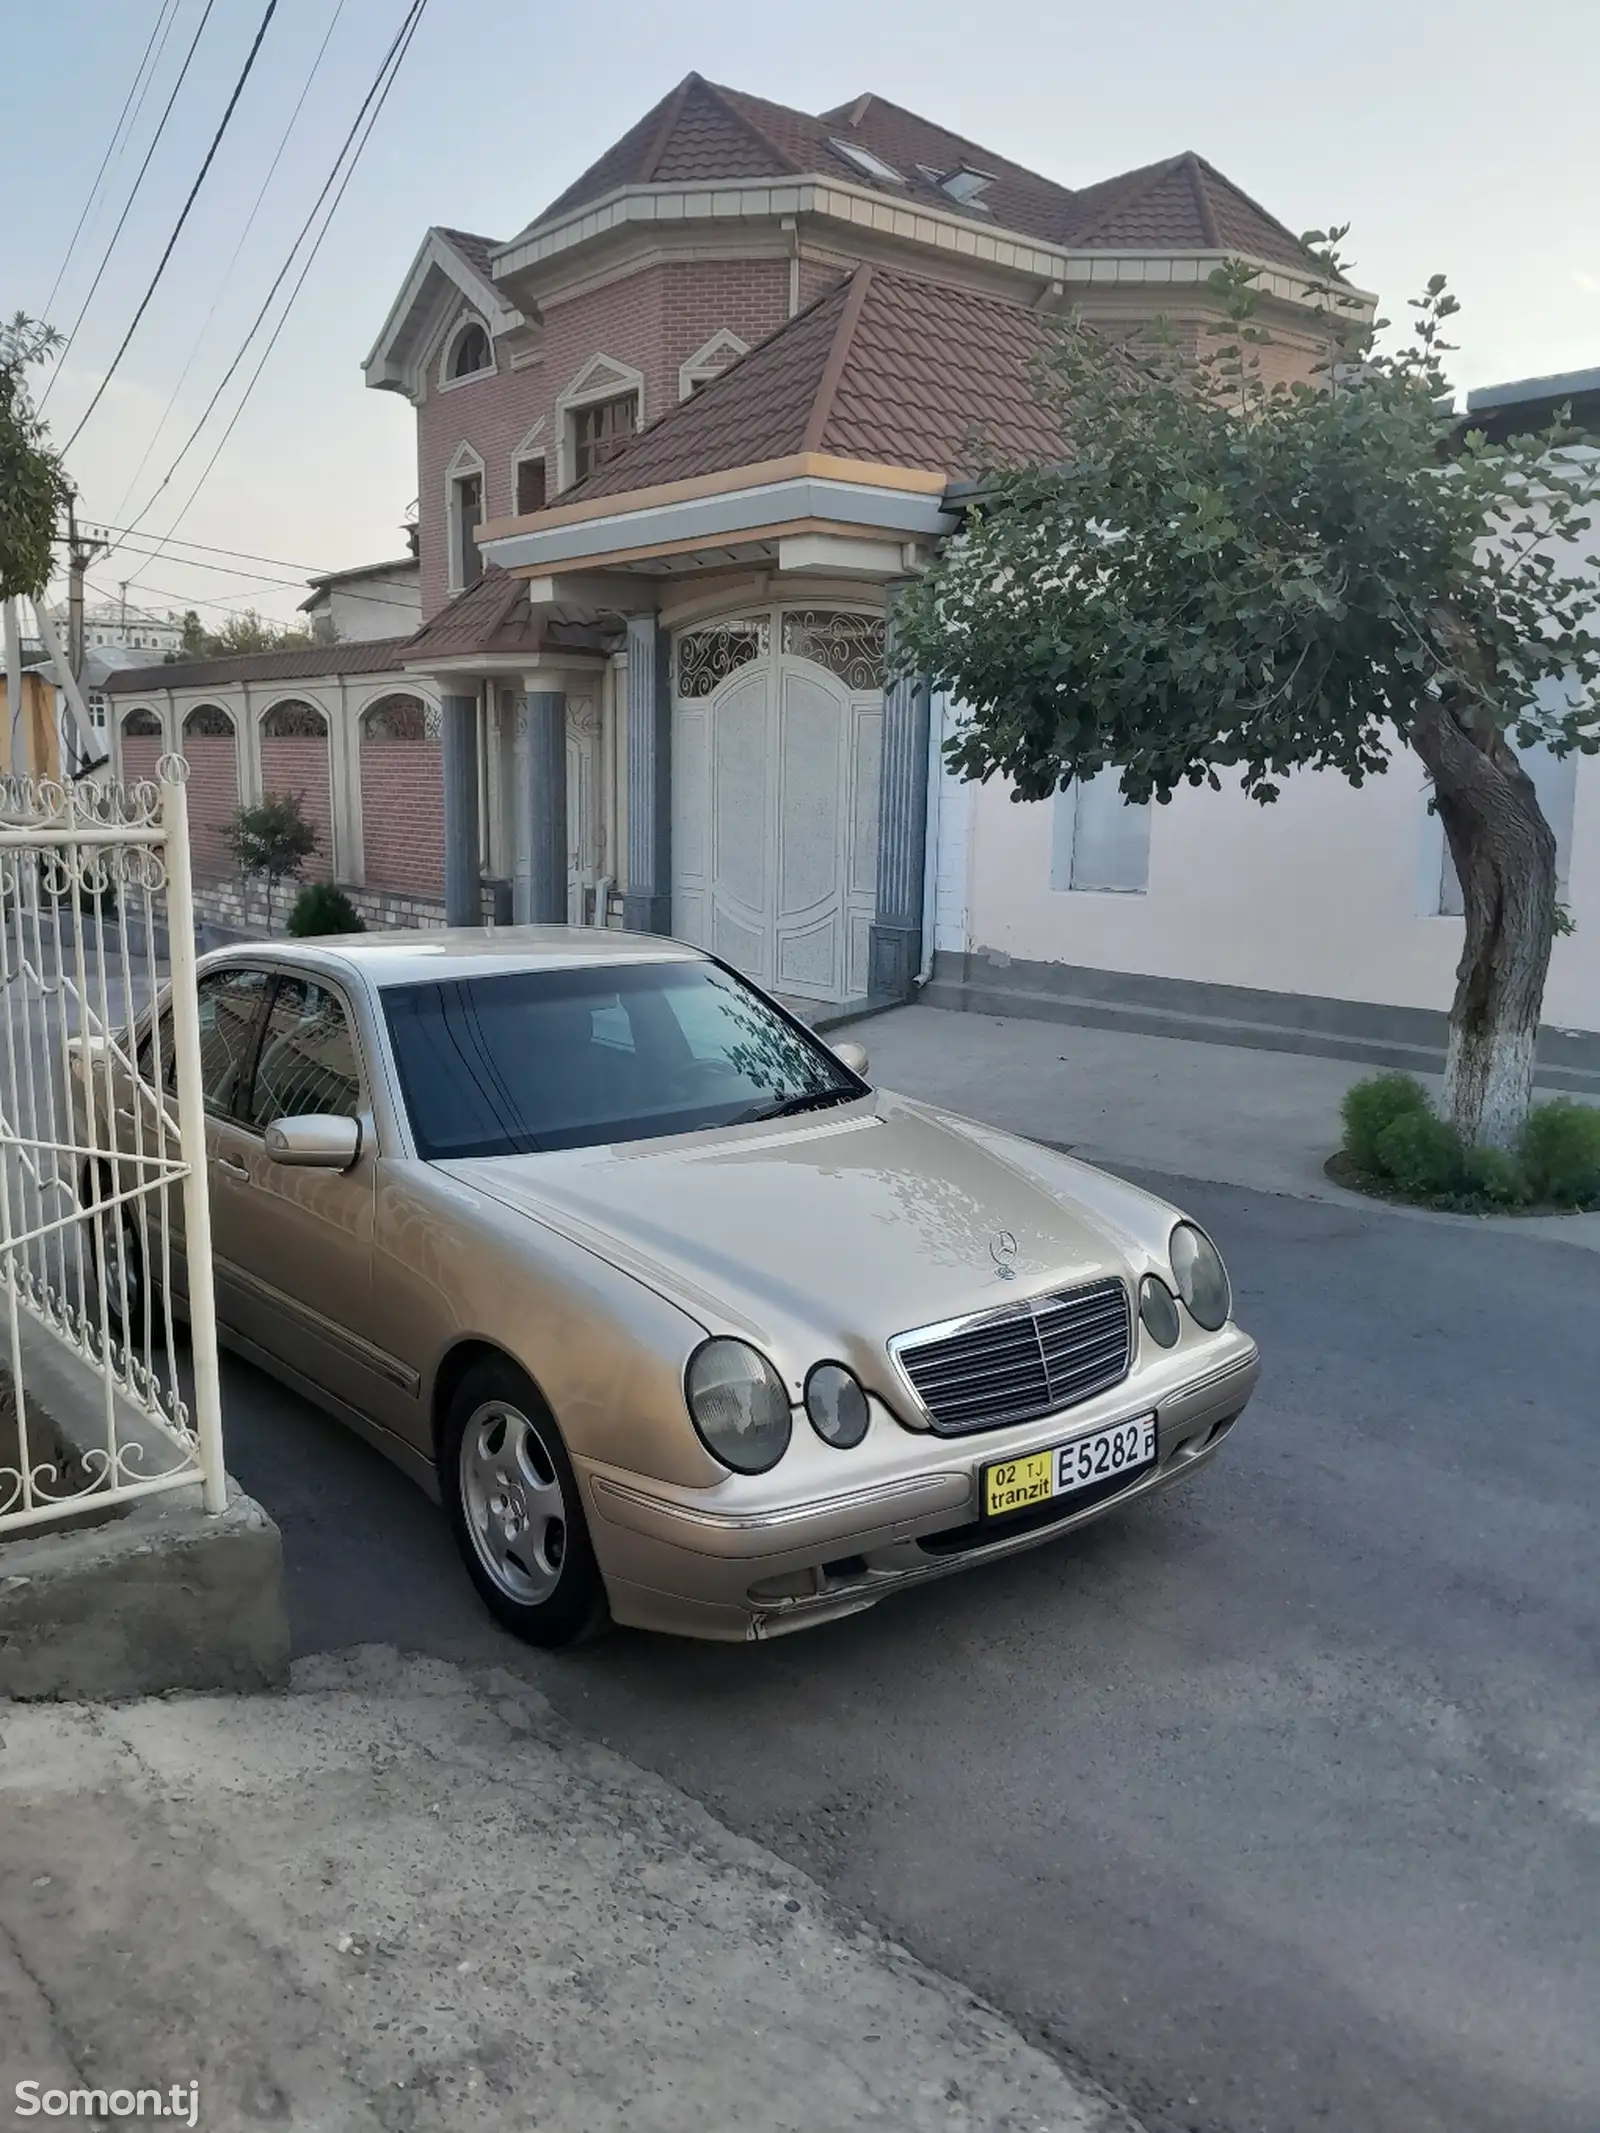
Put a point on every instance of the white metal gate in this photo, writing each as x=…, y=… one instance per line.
x=104, y=1227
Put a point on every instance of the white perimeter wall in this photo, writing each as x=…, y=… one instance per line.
x=1325, y=892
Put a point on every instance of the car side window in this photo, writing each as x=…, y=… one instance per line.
x=308, y=1062
x=230, y=1011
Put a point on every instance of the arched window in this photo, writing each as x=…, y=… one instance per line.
x=400, y=718
x=141, y=726
x=294, y=721
x=469, y=352
x=208, y=722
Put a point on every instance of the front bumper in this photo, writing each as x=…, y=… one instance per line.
x=674, y=1562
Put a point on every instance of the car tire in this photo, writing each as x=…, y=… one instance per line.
x=117, y=1257
x=512, y=1498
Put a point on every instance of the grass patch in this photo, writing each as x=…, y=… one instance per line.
x=1396, y=1147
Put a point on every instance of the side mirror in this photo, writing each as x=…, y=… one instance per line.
x=315, y=1142
x=853, y=1056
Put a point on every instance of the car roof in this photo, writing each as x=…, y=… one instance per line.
x=410, y=958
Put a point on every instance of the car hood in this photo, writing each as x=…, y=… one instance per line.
x=828, y=1234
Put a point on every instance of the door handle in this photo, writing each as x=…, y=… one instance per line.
x=234, y=1167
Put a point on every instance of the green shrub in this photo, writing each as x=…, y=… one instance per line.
x=1422, y=1154
x=1561, y=1152
x=1370, y=1107
x=321, y=908
x=1493, y=1176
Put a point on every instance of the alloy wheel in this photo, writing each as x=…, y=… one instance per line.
x=515, y=1510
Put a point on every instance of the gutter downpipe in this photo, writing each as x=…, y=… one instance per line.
x=930, y=848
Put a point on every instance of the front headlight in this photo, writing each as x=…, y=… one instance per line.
x=1201, y=1276
x=738, y=1405
x=837, y=1406
x=1158, y=1311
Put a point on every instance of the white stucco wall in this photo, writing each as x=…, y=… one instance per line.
x=1321, y=893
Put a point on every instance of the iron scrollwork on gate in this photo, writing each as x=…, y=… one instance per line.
x=708, y=656
x=849, y=645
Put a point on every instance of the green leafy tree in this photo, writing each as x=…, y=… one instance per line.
x=33, y=485
x=1230, y=576
x=270, y=841
x=244, y=632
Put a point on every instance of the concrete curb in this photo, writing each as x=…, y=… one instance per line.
x=162, y=1598
x=140, y=1598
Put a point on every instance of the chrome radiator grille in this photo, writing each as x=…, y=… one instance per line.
x=1014, y=1364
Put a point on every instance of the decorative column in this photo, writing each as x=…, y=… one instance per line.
x=647, y=899
x=544, y=805
x=463, y=897
x=894, y=953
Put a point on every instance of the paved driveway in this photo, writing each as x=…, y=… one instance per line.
x=1275, y=1805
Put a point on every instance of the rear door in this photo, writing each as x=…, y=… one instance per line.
x=232, y=1001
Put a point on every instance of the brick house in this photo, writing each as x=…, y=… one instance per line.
x=679, y=438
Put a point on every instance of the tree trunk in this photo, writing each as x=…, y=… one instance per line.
x=1505, y=856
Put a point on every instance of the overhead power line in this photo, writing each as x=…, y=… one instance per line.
x=366, y=117
x=127, y=208
x=245, y=555
x=250, y=223
x=165, y=13
x=177, y=228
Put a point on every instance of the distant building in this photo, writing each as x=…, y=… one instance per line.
x=373, y=600
x=117, y=626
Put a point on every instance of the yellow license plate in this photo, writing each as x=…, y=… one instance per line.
x=1105, y=1455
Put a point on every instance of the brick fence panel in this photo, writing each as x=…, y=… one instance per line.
x=298, y=763
x=213, y=796
x=402, y=814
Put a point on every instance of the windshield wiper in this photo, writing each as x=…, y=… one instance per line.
x=789, y=1106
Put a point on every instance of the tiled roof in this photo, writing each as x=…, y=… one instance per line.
x=883, y=367
x=309, y=662
x=494, y=617
x=476, y=251
x=1184, y=204
x=701, y=132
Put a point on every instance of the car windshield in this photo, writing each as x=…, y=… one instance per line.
x=542, y=1059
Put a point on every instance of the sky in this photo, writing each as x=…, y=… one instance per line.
x=1456, y=136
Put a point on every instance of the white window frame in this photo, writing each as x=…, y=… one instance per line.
x=710, y=360
x=531, y=447
x=463, y=461
x=463, y=324
x=603, y=377
x=1069, y=859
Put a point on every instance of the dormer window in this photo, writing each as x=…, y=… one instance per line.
x=468, y=354
x=867, y=163
x=964, y=185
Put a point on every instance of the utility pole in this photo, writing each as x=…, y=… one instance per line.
x=81, y=552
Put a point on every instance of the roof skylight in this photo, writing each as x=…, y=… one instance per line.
x=966, y=183
x=867, y=163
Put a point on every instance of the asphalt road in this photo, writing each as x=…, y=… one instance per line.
x=1274, y=1804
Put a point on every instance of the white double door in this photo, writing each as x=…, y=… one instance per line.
x=775, y=824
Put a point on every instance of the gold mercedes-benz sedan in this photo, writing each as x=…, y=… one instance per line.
x=685, y=1322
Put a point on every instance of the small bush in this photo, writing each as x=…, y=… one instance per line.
x=1561, y=1152
x=1495, y=1178
x=1422, y=1154
x=321, y=908
x=1370, y=1107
